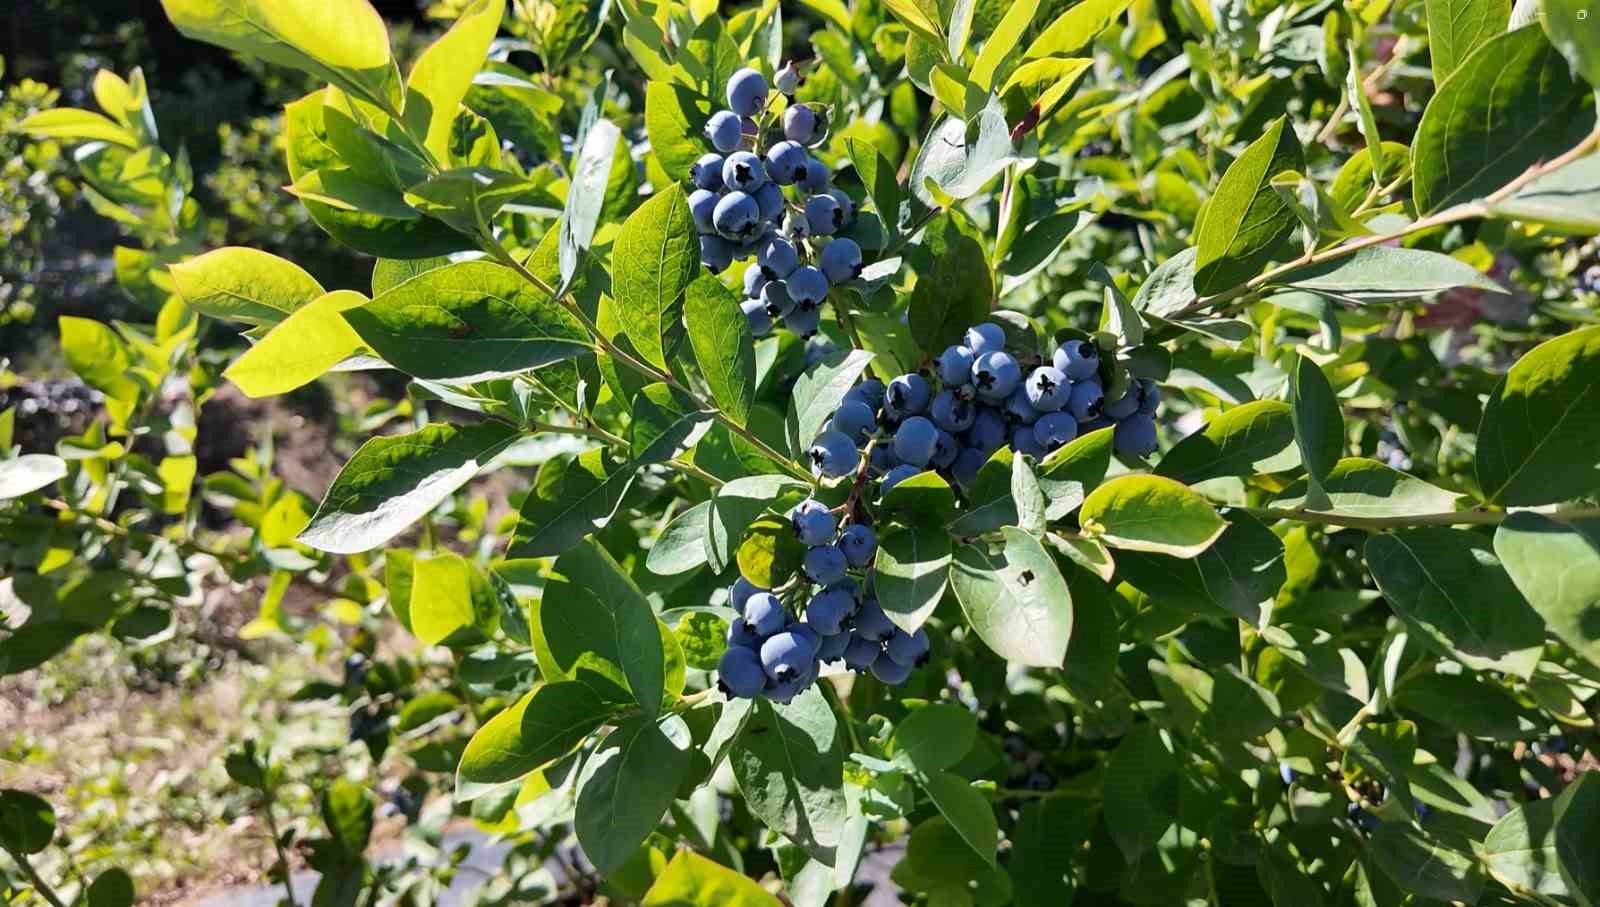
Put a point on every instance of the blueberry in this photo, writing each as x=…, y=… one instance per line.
x=1018, y=409
x=765, y=614
x=915, y=441
x=828, y=611
x=995, y=374
x=807, y=636
x=736, y=215
x=741, y=590
x=1135, y=436
x=847, y=205
x=945, y=450
x=824, y=215
x=804, y=321
x=1048, y=389
x=1079, y=359
x=856, y=420
x=716, y=253
x=955, y=366
x=740, y=673
x=909, y=649
x=1055, y=429
x=908, y=395
x=775, y=297
x=832, y=648
x=743, y=171
x=859, y=543
x=897, y=475
x=724, y=130
x=787, y=79
x=881, y=460
x=784, y=160
x=807, y=286
x=1286, y=773
x=813, y=177
x=988, y=432
x=787, y=655
x=706, y=173
x=833, y=455
x=747, y=92
x=1591, y=277
x=740, y=633
x=1023, y=442
x=818, y=349
x=824, y=564
x=1127, y=405
x=749, y=128
x=1086, y=400
x=756, y=315
x=778, y=258
x=985, y=338
x=870, y=392
x=968, y=462
x=1149, y=397
x=702, y=206
x=840, y=260
x=890, y=671
x=769, y=200
x=860, y=652
x=754, y=280
x=872, y=623
x=801, y=124
x=953, y=413
x=812, y=523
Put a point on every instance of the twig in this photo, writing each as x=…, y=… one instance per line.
x=39, y=884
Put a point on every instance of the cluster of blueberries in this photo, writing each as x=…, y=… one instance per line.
x=983, y=402
x=740, y=210
x=776, y=654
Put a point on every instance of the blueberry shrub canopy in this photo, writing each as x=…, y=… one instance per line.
x=1004, y=451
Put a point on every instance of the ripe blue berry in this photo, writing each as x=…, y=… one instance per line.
x=890, y=671
x=968, y=462
x=803, y=321
x=787, y=79
x=818, y=349
x=1019, y=409
x=847, y=205
x=908, y=395
x=736, y=216
x=787, y=655
x=747, y=92
x=832, y=648
x=995, y=375
x=1055, y=429
x=706, y=173
x=743, y=171
x=1149, y=397
x=814, y=179
x=775, y=296
x=897, y=475
x=955, y=366
x=824, y=215
x=740, y=673
x=1135, y=436
x=755, y=314
x=856, y=420
x=724, y=130
x=716, y=253
x=777, y=258
x=765, y=614
x=740, y=633
x=1079, y=359
x=988, y=431
x=881, y=461
x=833, y=455
x=1023, y=442
x=915, y=441
x=870, y=392
x=840, y=260
x=945, y=450
x=769, y=199
x=985, y=338
x=813, y=524
x=861, y=652
x=952, y=412
x=1048, y=389
x=828, y=611
x=702, y=207
x=824, y=565
x=754, y=280
x=1122, y=408
x=859, y=543
x=1086, y=400
x=802, y=124
x=784, y=160
x=741, y=590
x=807, y=286
x=908, y=649
x=872, y=623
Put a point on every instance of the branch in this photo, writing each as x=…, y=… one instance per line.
x=39, y=884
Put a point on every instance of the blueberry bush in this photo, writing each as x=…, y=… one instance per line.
x=1032, y=452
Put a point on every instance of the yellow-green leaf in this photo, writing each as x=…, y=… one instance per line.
x=300, y=349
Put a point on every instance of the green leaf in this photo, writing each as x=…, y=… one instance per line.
x=1508, y=106
x=1141, y=778
x=1243, y=441
x=935, y=737
x=240, y=284
x=675, y=120
x=1014, y=598
x=1382, y=273
x=1246, y=221
x=470, y=321
x=373, y=218
x=449, y=595
x=789, y=763
x=544, y=725
x=1556, y=566
x=627, y=785
x=958, y=167
x=1536, y=440
x=924, y=498
x=99, y=356
x=1068, y=475
x=720, y=337
x=1427, y=865
x=29, y=473
x=691, y=880
x=1456, y=28
x=1521, y=847
x=665, y=424
x=1241, y=709
x=910, y=573
x=735, y=506
x=1151, y=513
x=955, y=292
x=1241, y=573
x=1358, y=487
x=1074, y=29
x=112, y=888
x=300, y=349
x=1002, y=41
x=770, y=553
x=600, y=629
x=1384, y=753
x=1575, y=31
x=878, y=176
x=1170, y=287
x=681, y=546
x=1451, y=590
x=989, y=504
x=1318, y=426
x=395, y=480
x=1045, y=830
x=36, y=643
x=602, y=150
x=467, y=198
x=967, y=810
x=27, y=822
x=652, y=262
x=817, y=393
x=441, y=76
x=571, y=499
x=72, y=125
x=1567, y=198
x=1577, y=813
